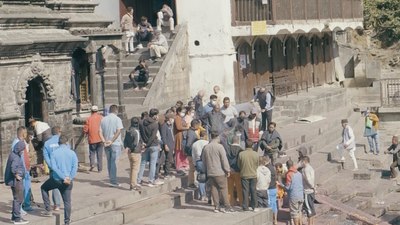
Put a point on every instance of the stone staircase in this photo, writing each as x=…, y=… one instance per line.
x=128, y=63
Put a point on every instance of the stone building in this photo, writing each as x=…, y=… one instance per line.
x=48, y=55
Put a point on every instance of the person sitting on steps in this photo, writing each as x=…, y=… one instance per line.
x=142, y=77
x=144, y=32
x=158, y=46
x=165, y=18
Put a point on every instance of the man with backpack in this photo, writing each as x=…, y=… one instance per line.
x=266, y=100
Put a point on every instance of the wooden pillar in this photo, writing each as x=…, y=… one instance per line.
x=119, y=78
x=91, y=52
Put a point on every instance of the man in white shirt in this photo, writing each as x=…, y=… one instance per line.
x=128, y=28
x=348, y=143
x=229, y=111
x=309, y=189
x=158, y=46
x=110, y=134
x=165, y=18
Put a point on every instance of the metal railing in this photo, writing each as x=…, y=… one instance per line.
x=245, y=11
x=390, y=92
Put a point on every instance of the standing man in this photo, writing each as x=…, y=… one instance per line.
x=371, y=131
x=220, y=95
x=198, y=103
x=149, y=136
x=128, y=28
x=110, y=134
x=264, y=98
x=215, y=120
x=191, y=138
x=168, y=140
x=395, y=150
x=96, y=147
x=22, y=136
x=13, y=177
x=228, y=110
x=217, y=170
x=197, y=150
x=64, y=163
x=348, y=143
x=234, y=181
x=272, y=191
x=309, y=189
x=158, y=46
x=133, y=145
x=165, y=18
x=294, y=187
x=49, y=146
x=248, y=164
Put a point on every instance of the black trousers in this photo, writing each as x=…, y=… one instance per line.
x=249, y=190
x=18, y=198
x=136, y=79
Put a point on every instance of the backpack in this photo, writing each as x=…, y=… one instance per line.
x=273, y=98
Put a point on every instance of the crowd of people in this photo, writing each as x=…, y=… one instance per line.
x=231, y=157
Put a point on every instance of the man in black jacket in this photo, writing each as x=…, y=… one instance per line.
x=133, y=145
x=167, y=138
x=149, y=130
x=13, y=177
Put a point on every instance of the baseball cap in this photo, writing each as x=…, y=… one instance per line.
x=94, y=108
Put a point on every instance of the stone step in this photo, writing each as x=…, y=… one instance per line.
x=133, y=212
x=126, y=70
x=359, y=202
x=199, y=213
x=134, y=100
x=84, y=212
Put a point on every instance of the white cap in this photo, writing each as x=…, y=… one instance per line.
x=94, y=108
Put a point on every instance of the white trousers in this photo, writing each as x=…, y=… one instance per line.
x=130, y=35
x=160, y=22
x=156, y=50
x=341, y=150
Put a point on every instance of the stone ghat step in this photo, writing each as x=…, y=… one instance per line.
x=141, y=209
x=199, y=213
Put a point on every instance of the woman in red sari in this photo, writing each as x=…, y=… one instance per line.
x=180, y=128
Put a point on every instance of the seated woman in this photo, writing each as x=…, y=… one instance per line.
x=142, y=77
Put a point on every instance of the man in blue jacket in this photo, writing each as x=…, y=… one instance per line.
x=13, y=177
x=64, y=164
x=49, y=146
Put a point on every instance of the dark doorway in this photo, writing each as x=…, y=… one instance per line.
x=147, y=8
x=81, y=89
x=35, y=96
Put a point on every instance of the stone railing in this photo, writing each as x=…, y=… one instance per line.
x=172, y=80
x=390, y=92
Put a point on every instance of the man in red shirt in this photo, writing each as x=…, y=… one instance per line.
x=96, y=146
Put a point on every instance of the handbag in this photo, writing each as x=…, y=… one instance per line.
x=368, y=122
x=201, y=177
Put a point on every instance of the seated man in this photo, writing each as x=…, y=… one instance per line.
x=165, y=18
x=158, y=46
x=142, y=77
x=144, y=32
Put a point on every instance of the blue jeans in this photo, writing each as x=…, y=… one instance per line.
x=272, y=200
x=56, y=195
x=151, y=154
x=27, y=191
x=202, y=190
x=112, y=154
x=96, y=151
x=373, y=143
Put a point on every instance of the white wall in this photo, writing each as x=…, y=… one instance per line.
x=209, y=22
x=110, y=10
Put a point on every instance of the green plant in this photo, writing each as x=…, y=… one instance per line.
x=383, y=16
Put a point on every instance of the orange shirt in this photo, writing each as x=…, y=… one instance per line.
x=92, y=128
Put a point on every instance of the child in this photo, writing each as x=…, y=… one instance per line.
x=263, y=181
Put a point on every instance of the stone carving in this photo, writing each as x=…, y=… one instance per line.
x=37, y=68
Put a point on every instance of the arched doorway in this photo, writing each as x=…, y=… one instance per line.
x=305, y=61
x=292, y=57
x=244, y=69
x=35, y=105
x=328, y=58
x=81, y=80
x=318, y=60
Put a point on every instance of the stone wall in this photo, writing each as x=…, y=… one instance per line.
x=171, y=82
x=15, y=75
